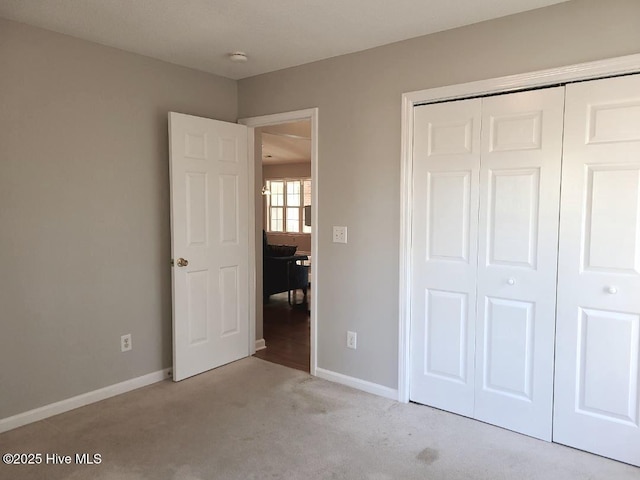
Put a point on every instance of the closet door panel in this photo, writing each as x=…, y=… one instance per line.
x=611, y=226
x=444, y=243
x=518, y=232
x=597, y=388
x=512, y=229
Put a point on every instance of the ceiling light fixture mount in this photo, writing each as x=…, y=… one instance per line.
x=238, y=57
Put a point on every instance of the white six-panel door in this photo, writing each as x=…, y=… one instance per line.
x=209, y=243
x=597, y=393
x=486, y=186
x=517, y=259
x=503, y=200
x=444, y=242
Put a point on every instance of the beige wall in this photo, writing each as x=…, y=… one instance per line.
x=84, y=224
x=288, y=170
x=84, y=211
x=358, y=97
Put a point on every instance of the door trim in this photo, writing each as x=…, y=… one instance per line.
x=310, y=114
x=542, y=78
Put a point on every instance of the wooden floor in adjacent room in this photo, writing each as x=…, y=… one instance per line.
x=286, y=333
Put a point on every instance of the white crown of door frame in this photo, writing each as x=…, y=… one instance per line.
x=583, y=71
x=310, y=114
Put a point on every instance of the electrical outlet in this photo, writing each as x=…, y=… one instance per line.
x=339, y=234
x=352, y=340
x=125, y=342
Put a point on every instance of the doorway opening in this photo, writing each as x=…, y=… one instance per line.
x=286, y=220
x=285, y=169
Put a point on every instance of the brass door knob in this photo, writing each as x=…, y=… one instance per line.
x=182, y=262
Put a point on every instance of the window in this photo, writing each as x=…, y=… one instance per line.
x=285, y=205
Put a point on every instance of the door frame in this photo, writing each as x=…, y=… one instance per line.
x=310, y=114
x=512, y=83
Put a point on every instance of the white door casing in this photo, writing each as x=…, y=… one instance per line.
x=580, y=72
x=210, y=230
x=624, y=65
x=444, y=239
x=517, y=259
x=310, y=114
x=597, y=404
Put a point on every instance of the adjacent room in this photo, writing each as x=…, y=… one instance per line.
x=342, y=239
x=286, y=221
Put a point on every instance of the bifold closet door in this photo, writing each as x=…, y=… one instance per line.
x=517, y=259
x=486, y=186
x=597, y=397
x=446, y=162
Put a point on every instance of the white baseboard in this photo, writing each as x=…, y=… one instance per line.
x=353, y=382
x=260, y=344
x=72, y=403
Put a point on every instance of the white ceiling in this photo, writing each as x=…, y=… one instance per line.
x=275, y=34
x=286, y=143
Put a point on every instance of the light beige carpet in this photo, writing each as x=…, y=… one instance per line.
x=257, y=420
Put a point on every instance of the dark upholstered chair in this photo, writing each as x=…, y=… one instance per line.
x=281, y=273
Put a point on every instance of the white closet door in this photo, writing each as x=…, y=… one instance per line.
x=444, y=241
x=598, y=336
x=517, y=259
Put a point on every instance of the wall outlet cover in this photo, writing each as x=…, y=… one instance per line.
x=339, y=234
x=352, y=340
x=125, y=342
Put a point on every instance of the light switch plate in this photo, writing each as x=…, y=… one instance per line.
x=339, y=234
